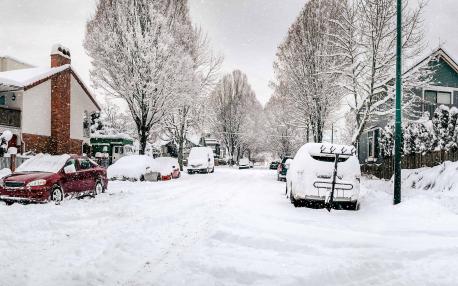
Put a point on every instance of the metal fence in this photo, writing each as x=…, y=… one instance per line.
x=5, y=162
x=384, y=169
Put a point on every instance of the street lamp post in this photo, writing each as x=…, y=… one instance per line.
x=398, y=137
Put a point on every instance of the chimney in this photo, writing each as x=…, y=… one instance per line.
x=60, y=56
x=60, y=101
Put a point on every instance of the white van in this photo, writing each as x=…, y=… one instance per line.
x=310, y=177
x=201, y=160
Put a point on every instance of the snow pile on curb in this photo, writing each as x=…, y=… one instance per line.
x=4, y=172
x=437, y=179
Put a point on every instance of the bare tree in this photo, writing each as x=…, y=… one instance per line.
x=188, y=113
x=306, y=65
x=231, y=101
x=138, y=55
x=366, y=39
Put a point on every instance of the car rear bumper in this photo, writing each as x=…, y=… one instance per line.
x=322, y=199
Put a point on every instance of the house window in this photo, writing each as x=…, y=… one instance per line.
x=444, y=97
x=2, y=100
x=433, y=98
x=438, y=97
x=371, y=144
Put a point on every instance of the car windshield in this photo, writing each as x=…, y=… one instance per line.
x=44, y=163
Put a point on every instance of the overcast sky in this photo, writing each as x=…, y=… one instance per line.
x=247, y=32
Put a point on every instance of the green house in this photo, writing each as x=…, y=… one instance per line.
x=441, y=90
x=112, y=147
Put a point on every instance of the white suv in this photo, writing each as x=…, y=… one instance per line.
x=311, y=174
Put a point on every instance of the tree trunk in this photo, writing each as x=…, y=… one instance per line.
x=143, y=140
x=180, y=153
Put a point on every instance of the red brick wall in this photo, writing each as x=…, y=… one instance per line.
x=58, y=60
x=36, y=143
x=76, y=147
x=60, y=112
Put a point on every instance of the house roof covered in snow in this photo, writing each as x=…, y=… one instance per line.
x=437, y=53
x=24, y=79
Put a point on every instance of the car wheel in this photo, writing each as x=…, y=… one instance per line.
x=292, y=199
x=9, y=203
x=99, y=188
x=356, y=206
x=57, y=195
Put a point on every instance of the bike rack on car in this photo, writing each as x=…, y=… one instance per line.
x=334, y=185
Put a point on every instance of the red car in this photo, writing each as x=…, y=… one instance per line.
x=46, y=178
x=170, y=169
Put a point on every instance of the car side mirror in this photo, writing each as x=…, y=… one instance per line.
x=69, y=169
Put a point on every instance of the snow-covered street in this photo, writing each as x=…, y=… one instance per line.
x=233, y=227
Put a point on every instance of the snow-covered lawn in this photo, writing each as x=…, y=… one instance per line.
x=233, y=227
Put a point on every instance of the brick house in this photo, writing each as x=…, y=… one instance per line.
x=47, y=109
x=441, y=90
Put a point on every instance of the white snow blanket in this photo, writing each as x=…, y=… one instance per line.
x=134, y=167
x=44, y=163
x=230, y=228
x=4, y=172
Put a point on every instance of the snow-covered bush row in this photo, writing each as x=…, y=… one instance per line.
x=423, y=135
x=438, y=179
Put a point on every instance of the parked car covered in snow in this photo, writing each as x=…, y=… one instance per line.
x=244, y=163
x=282, y=168
x=171, y=164
x=310, y=176
x=45, y=178
x=138, y=168
x=201, y=160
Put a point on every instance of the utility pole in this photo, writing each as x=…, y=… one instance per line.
x=398, y=137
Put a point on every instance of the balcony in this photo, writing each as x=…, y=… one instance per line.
x=10, y=117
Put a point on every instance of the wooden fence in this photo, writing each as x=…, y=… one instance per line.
x=384, y=168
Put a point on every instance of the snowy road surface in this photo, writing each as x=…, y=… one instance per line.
x=229, y=228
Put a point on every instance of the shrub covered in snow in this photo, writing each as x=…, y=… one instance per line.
x=424, y=135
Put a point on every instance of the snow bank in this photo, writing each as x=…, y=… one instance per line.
x=4, y=172
x=437, y=179
x=44, y=163
x=134, y=167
